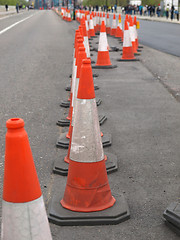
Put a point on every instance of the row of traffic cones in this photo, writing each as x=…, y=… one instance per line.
x=87, y=193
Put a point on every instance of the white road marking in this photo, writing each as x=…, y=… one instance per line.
x=13, y=25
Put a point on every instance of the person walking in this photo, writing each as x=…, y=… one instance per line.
x=167, y=11
x=172, y=12
x=6, y=6
x=17, y=8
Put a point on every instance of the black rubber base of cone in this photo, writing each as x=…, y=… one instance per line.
x=172, y=216
x=91, y=55
x=95, y=75
x=93, y=37
x=114, y=49
x=127, y=60
x=63, y=141
x=106, y=140
x=97, y=33
x=61, y=168
x=140, y=47
x=137, y=54
x=65, y=122
x=105, y=67
x=92, y=62
x=96, y=87
x=68, y=88
x=66, y=104
x=173, y=227
x=58, y=215
x=139, y=50
x=98, y=101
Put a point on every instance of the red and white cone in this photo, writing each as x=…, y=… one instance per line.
x=69, y=16
x=127, y=54
x=94, y=21
x=87, y=153
x=87, y=194
x=114, y=26
x=119, y=31
x=108, y=28
x=91, y=27
x=23, y=211
x=132, y=36
x=86, y=41
x=103, y=59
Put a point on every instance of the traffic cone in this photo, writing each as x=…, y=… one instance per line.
x=136, y=34
x=63, y=140
x=91, y=27
x=66, y=103
x=69, y=16
x=87, y=194
x=127, y=54
x=103, y=59
x=132, y=35
x=114, y=26
x=23, y=211
x=94, y=21
x=60, y=166
x=108, y=28
x=119, y=32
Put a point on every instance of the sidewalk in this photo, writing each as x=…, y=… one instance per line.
x=157, y=19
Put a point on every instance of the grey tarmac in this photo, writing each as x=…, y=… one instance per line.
x=143, y=118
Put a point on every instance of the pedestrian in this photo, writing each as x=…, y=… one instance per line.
x=172, y=12
x=6, y=6
x=167, y=11
x=17, y=8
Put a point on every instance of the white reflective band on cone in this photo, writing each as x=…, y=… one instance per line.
x=91, y=26
x=74, y=83
x=87, y=27
x=88, y=17
x=131, y=32
x=135, y=32
x=74, y=99
x=25, y=221
x=107, y=22
x=114, y=23
x=94, y=21
x=127, y=39
x=103, y=43
x=86, y=145
x=86, y=45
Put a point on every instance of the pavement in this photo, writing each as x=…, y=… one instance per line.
x=158, y=19
x=140, y=100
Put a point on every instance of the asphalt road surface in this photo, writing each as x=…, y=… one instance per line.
x=161, y=36
x=36, y=51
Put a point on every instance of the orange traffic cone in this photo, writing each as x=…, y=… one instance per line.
x=114, y=26
x=119, y=32
x=132, y=35
x=136, y=34
x=69, y=16
x=103, y=59
x=127, y=54
x=23, y=211
x=108, y=28
x=87, y=194
x=91, y=27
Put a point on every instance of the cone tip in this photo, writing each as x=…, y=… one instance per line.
x=15, y=123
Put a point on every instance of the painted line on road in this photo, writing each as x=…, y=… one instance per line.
x=13, y=25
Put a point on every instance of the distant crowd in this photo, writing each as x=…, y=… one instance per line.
x=148, y=10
